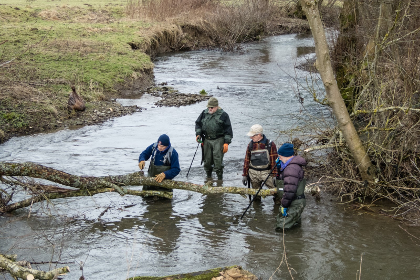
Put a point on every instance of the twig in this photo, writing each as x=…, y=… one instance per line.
x=409, y=234
x=7, y=62
x=379, y=110
x=360, y=269
x=284, y=257
x=320, y=147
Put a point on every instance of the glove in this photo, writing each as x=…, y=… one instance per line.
x=141, y=164
x=284, y=211
x=244, y=180
x=225, y=148
x=159, y=178
x=198, y=139
x=278, y=164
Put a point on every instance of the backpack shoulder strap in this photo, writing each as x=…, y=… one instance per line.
x=268, y=144
x=153, y=152
x=167, y=158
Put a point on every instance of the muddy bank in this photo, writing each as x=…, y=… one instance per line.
x=101, y=111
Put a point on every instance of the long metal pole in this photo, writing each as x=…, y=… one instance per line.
x=193, y=159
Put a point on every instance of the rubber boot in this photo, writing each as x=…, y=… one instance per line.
x=277, y=199
x=209, y=178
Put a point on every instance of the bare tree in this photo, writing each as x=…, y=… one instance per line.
x=335, y=100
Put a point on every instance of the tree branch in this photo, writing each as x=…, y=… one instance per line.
x=18, y=271
x=87, y=186
x=379, y=110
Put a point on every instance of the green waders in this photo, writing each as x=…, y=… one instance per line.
x=213, y=157
x=279, y=186
x=152, y=172
x=294, y=211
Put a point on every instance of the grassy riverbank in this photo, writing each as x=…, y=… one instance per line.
x=46, y=47
x=105, y=49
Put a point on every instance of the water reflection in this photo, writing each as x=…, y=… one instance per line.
x=196, y=232
x=159, y=222
x=302, y=51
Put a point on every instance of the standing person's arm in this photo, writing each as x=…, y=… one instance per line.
x=246, y=162
x=227, y=128
x=145, y=155
x=291, y=181
x=273, y=158
x=199, y=125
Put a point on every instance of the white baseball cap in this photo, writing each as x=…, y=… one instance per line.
x=255, y=129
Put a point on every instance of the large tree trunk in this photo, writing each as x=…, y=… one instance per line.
x=335, y=100
x=85, y=186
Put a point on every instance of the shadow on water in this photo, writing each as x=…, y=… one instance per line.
x=116, y=237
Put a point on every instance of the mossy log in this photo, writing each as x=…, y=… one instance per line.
x=231, y=272
x=87, y=186
x=9, y=264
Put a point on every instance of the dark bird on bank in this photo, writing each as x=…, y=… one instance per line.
x=75, y=102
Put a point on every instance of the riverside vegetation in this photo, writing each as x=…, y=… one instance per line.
x=105, y=50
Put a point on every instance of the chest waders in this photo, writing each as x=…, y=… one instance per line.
x=260, y=158
x=157, y=169
x=295, y=209
x=260, y=165
x=213, y=144
x=213, y=157
x=152, y=172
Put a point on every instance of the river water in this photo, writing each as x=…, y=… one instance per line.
x=114, y=237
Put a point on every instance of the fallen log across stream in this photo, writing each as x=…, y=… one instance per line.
x=15, y=175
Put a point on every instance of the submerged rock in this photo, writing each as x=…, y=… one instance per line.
x=173, y=98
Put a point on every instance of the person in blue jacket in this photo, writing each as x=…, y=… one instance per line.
x=164, y=163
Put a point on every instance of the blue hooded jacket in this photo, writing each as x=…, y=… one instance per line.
x=159, y=158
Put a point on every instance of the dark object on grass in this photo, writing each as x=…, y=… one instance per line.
x=75, y=102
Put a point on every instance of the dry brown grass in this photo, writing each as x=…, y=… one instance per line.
x=77, y=14
x=160, y=10
x=225, y=23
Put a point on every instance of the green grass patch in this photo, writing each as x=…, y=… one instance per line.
x=46, y=47
x=14, y=119
x=79, y=45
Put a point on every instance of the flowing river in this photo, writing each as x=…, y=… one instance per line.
x=114, y=237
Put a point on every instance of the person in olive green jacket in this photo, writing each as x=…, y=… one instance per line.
x=214, y=129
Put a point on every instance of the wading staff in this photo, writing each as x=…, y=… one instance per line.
x=193, y=159
x=275, y=165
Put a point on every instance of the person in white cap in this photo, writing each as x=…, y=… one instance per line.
x=260, y=159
